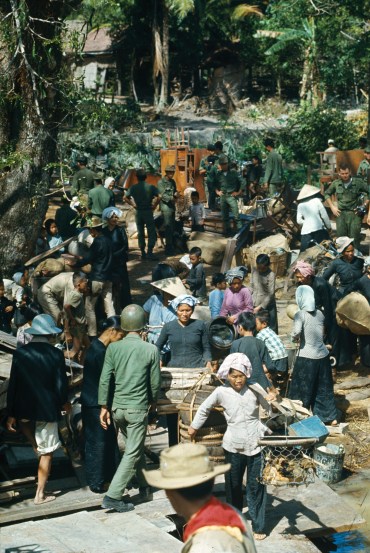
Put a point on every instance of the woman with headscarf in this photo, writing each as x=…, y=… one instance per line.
x=326, y=297
x=101, y=449
x=109, y=185
x=186, y=337
x=240, y=441
x=188, y=343
x=237, y=298
x=312, y=216
x=118, y=237
x=312, y=380
x=348, y=266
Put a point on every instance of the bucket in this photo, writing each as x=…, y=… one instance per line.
x=330, y=457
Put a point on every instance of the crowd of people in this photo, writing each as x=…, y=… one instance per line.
x=123, y=346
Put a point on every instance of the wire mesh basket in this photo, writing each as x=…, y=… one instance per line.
x=287, y=460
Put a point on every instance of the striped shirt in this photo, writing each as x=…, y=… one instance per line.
x=273, y=343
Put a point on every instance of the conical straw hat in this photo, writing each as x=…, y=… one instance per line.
x=172, y=286
x=307, y=191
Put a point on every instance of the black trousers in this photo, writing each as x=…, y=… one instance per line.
x=255, y=493
x=101, y=449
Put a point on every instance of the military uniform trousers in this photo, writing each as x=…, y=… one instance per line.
x=169, y=225
x=275, y=188
x=103, y=289
x=349, y=224
x=144, y=218
x=132, y=422
x=230, y=202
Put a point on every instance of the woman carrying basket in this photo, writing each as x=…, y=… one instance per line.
x=240, y=442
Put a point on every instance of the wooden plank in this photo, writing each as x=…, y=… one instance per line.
x=48, y=253
x=17, y=483
x=8, y=340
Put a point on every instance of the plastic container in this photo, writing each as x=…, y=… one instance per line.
x=312, y=427
x=330, y=458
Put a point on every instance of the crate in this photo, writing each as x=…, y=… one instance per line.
x=311, y=427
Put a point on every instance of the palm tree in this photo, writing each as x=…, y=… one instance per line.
x=306, y=37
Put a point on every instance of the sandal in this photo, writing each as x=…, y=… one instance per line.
x=259, y=537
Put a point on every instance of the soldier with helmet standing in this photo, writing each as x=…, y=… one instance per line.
x=168, y=194
x=133, y=365
x=229, y=186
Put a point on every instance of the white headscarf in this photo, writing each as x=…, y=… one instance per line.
x=236, y=272
x=109, y=211
x=184, y=298
x=237, y=361
x=305, y=298
x=108, y=181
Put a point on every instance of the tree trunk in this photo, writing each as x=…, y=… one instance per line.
x=305, y=76
x=28, y=121
x=163, y=101
x=157, y=56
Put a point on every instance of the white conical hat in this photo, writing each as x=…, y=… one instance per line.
x=172, y=286
x=307, y=191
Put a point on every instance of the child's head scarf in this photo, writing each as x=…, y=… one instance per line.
x=237, y=361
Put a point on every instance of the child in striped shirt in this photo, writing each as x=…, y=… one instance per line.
x=274, y=346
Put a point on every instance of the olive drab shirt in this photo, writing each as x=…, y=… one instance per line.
x=363, y=171
x=167, y=191
x=348, y=198
x=274, y=168
x=82, y=181
x=143, y=194
x=207, y=165
x=229, y=182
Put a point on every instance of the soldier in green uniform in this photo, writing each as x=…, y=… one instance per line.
x=363, y=170
x=274, y=175
x=140, y=196
x=133, y=366
x=351, y=192
x=229, y=186
x=98, y=197
x=206, y=165
x=167, y=192
x=82, y=180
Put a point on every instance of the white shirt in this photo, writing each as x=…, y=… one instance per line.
x=312, y=216
x=241, y=411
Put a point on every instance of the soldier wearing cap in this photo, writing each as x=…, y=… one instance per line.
x=144, y=198
x=83, y=179
x=133, y=365
x=352, y=192
x=274, y=177
x=363, y=170
x=207, y=163
x=168, y=194
x=229, y=186
x=99, y=197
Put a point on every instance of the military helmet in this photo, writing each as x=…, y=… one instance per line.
x=367, y=150
x=170, y=169
x=223, y=159
x=133, y=318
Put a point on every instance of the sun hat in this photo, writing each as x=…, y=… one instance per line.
x=307, y=191
x=183, y=466
x=342, y=243
x=172, y=285
x=95, y=222
x=43, y=325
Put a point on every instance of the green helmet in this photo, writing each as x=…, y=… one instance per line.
x=133, y=318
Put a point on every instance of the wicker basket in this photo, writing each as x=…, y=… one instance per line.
x=278, y=261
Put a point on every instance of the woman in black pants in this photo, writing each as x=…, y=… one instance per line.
x=101, y=448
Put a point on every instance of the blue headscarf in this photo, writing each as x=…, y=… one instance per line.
x=109, y=211
x=17, y=277
x=184, y=298
x=305, y=298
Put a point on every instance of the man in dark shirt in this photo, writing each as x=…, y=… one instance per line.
x=82, y=180
x=64, y=217
x=100, y=257
x=37, y=393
